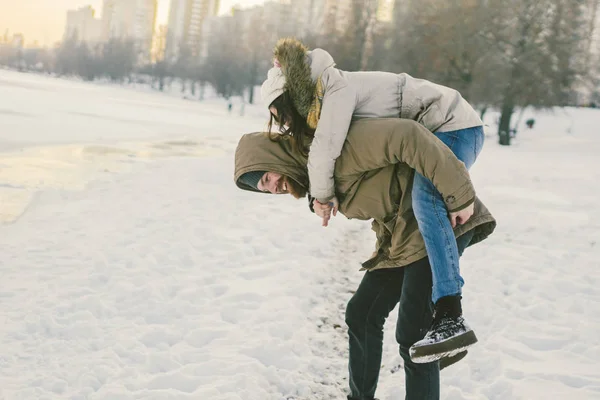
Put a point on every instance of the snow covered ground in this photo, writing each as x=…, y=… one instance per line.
x=132, y=268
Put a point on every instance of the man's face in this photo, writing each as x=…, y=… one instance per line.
x=272, y=182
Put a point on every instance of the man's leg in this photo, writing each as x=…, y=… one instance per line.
x=415, y=314
x=367, y=310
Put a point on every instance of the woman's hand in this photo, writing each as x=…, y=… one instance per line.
x=462, y=216
x=324, y=210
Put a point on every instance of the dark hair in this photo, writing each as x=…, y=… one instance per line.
x=297, y=127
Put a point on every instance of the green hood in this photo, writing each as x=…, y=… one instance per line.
x=255, y=152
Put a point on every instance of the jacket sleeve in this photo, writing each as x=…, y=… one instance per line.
x=395, y=140
x=330, y=135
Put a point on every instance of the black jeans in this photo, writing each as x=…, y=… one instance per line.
x=376, y=296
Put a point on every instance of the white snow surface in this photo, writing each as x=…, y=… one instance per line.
x=133, y=268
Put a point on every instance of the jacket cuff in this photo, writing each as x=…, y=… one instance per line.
x=460, y=199
x=462, y=207
x=325, y=200
x=311, y=203
x=323, y=196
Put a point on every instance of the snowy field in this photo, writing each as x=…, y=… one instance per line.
x=133, y=268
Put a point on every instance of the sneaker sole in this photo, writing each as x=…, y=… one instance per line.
x=445, y=362
x=448, y=348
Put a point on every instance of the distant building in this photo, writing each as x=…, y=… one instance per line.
x=18, y=41
x=133, y=20
x=211, y=26
x=159, y=44
x=82, y=26
x=185, y=29
x=5, y=38
x=259, y=25
x=108, y=7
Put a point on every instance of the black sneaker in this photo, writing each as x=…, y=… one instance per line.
x=445, y=362
x=354, y=398
x=449, y=333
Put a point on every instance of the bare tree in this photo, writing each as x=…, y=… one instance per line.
x=443, y=41
x=183, y=65
x=159, y=71
x=540, y=50
x=354, y=49
x=118, y=59
x=379, y=48
x=262, y=30
x=66, y=63
x=501, y=53
x=9, y=55
x=86, y=62
x=225, y=59
x=258, y=45
x=329, y=36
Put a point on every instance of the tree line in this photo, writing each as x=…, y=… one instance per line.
x=500, y=54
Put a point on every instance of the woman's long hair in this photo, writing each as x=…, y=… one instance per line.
x=291, y=124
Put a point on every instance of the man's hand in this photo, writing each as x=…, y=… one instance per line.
x=324, y=210
x=462, y=216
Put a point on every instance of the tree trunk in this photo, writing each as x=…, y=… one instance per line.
x=483, y=111
x=253, y=77
x=251, y=94
x=504, y=126
x=519, y=119
x=202, y=86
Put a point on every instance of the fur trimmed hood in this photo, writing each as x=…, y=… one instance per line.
x=302, y=69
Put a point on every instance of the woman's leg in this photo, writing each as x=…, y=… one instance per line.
x=449, y=332
x=432, y=215
x=415, y=313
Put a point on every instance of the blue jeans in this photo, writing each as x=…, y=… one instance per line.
x=432, y=215
x=377, y=295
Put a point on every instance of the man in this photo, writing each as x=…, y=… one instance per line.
x=373, y=177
